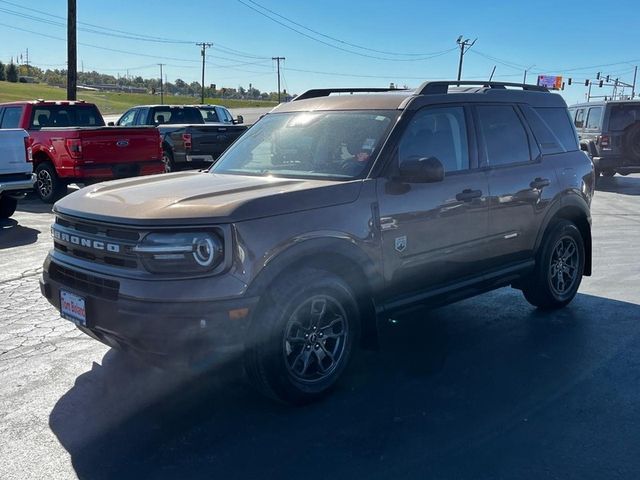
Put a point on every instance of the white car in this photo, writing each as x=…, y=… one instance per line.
x=16, y=169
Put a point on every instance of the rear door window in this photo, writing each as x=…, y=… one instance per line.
x=593, y=118
x=504, y=138
x=11, y=117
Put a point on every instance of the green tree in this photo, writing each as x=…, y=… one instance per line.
x=12, y=73
x=3, y=77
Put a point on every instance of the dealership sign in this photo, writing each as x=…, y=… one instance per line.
x=550, y=81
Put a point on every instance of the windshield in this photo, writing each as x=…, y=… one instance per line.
x=337, y=144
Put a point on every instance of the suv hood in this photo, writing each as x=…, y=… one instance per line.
x=195, y=198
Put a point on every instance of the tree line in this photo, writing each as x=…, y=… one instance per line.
x=58, y=77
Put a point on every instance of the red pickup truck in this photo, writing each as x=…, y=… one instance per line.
x=71, y=144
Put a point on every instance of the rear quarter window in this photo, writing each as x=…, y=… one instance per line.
x=553, y=129
x=593, y=118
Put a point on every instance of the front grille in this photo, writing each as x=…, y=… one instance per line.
x=80, y=238
x=86, y=283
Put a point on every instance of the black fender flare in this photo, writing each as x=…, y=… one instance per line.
x=569, y=206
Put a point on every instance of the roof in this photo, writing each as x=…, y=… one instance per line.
x=47, y=102
x=605, y=102
x=435, y=92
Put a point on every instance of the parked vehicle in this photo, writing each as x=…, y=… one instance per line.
x=331, y=212
x=187, y=141
x=610, y=132
x=71, y=144
x=16, y=172
x=219, y=114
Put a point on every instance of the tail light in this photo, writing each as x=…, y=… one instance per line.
x=74, y=147
x=28, y=149
x=186, y=138
x=604, y=141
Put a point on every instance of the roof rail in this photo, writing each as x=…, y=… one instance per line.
x=325, y=92
x=442, y=86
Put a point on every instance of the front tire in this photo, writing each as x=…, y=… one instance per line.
x=8, y=206
x=559, y=268
x=302, y=336
x=49, y=187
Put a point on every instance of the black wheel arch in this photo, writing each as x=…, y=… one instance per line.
x=335, y=255
x=576, y=210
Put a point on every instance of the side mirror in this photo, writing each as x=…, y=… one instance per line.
x=239, y=120
x=422, y=170
x=111, y=124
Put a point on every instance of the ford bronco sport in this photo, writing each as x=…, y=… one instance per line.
x=334, y=210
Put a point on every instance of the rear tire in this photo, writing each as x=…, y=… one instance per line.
x=559, y=268
x=8, y=206
x=302, y=336
x=49, y=187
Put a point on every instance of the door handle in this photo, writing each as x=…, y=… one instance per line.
x=540, y=183
x=467, y=195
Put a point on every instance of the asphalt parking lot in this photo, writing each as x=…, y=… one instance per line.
x=487, y=388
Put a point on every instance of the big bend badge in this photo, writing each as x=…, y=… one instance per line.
x=401, y=243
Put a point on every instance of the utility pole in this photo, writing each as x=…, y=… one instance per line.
x=526, y=70
x=465, y=45
x=278, y=59
x=72, y=54
x=161, y=90
x=204, y=46
x=633, y=87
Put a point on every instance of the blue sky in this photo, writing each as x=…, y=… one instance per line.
x=569, y=38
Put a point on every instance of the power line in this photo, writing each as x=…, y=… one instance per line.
x=427, y=57
x=344, y=42
x=97, y=46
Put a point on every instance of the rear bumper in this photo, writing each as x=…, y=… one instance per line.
x=17, y=186
x=614, y=161
x=169, y=333
x=113, y=171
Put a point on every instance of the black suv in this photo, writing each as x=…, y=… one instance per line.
x=335, y=210
x=610, y=133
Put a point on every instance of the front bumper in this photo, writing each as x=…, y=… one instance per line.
x=18, y=186
x=171, y=332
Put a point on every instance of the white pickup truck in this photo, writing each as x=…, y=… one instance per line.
x=16, y=169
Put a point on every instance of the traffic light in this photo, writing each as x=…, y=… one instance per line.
x=600, y=84
x=598, y=76
x=569, y=81
x=586, y=83
x=607, y=79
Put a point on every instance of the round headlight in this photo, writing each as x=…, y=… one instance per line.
x=204, y=251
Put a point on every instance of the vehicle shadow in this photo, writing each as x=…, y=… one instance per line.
x=485, y=388
x=12, y=234
x=629, y=185
x=32, y=204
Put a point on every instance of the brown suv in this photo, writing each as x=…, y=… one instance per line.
x=334, y=210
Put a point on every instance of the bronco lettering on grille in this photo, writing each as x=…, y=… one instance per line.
x=86, y=242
